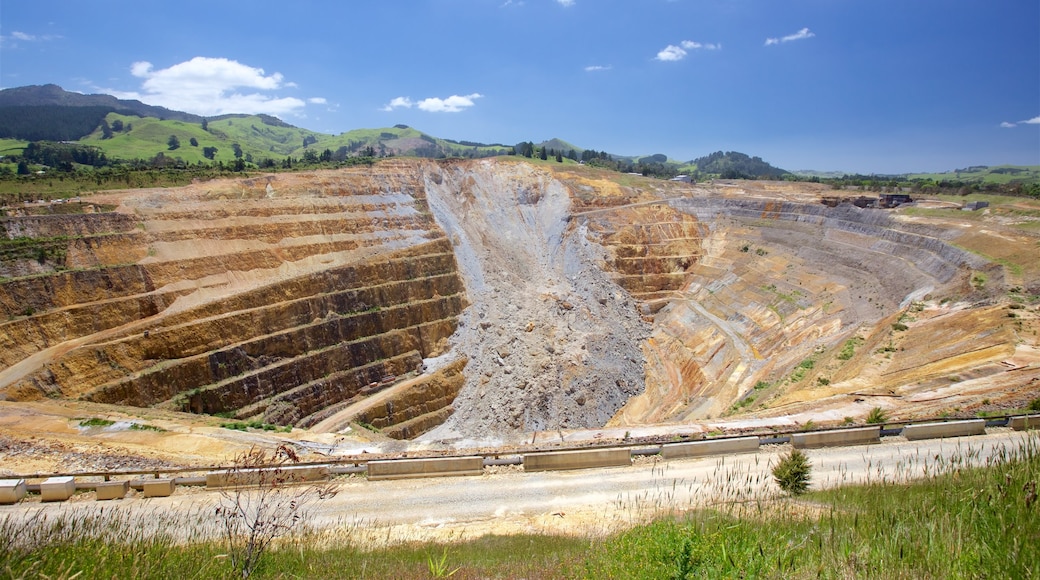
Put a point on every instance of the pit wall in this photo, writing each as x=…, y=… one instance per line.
x=771, y=285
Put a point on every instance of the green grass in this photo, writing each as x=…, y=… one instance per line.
x=964, y=522
x=146, y=427
x=994, y=174
x=849, y=348
x=96, y=422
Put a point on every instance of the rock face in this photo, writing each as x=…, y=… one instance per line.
x=540, y=297
x=271, y=299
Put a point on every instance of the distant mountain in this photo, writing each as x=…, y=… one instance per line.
x=735, y=165
x=39, y=95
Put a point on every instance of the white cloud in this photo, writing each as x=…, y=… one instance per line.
x=800, y=35
x=17, y=36
x=317, y=100
x=398, y=103
x=597, y=68
x=692, y=45
x=671, y=53
x=452, y=104
x=566, y=3
x=674, y=53
x=1033, y=121
x=212, y=86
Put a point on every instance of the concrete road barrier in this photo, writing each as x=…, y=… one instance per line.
x=158, y=487
x=12, y=491
x=917, y=431
x=252, y=477
x=836, y=438
x=710, y=447
x=57, y=488
x=1025, y=422
x=107, y=490
x=433, y=467
x=578, y=459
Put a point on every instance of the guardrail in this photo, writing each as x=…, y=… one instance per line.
x=59, y=487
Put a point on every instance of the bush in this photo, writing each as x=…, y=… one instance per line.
x=877, y=416
x=793, y=472
x=1034, y=405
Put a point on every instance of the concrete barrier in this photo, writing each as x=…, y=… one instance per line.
x=1024, y=422
x=917, y=431
x=57, y=488
x=158, y=487
x=433, y=467
x=107, y=490
x=710, y=447
x=252, y=477
x=578, y=459
x=11, y=491
x=837, y=438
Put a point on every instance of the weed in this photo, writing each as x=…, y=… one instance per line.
x=439, y=568
x=877, y=416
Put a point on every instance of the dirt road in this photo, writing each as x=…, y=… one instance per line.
x=507, y=500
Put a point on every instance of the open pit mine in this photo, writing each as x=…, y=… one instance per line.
x=486, y=299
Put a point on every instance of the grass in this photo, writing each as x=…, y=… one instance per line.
x=849, y=348
x=96, y=422
x=963, y=522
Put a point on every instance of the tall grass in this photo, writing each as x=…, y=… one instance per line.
x=963, y=521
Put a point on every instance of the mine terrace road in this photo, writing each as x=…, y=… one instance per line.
x=510, y=500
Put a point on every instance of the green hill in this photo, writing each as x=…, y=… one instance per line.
x=735, y=165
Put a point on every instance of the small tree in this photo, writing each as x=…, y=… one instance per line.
x=173, y=142
x=193, y=142
x=793, y=472
x=264, y=504
x=237, y=149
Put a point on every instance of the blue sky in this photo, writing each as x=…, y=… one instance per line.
x=852, y=85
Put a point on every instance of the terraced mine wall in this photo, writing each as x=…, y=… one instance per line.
x=762, y=286
x=270, y=299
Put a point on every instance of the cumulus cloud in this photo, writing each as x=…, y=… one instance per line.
x=673, y=53
x=566, y=3
x=800, y=35
x=317, y=100
x=452, y=104
x=597, y=68
x=1033, y=121
x=212, y=86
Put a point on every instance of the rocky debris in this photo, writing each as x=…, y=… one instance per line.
x=552, y=341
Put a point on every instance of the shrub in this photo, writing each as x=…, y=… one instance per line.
x=793, y=472
x=877, y=416
x=1034, y=405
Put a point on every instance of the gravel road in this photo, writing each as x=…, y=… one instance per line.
x=507, y=500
